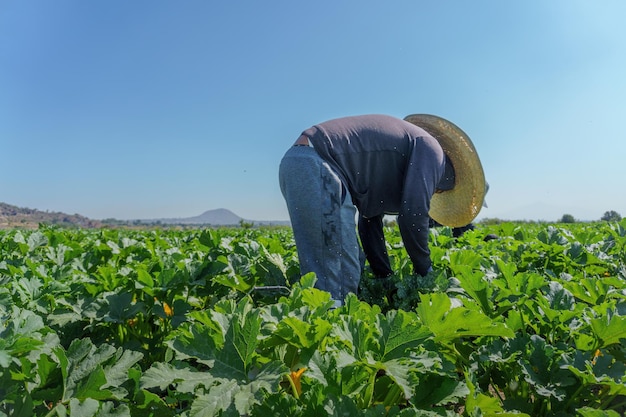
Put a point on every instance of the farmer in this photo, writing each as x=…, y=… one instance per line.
x=416, y=168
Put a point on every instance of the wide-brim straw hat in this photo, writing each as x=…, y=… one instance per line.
x=460, y=205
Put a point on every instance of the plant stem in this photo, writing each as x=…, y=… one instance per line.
x=294, y=391
x=574, y=396
x=605, y=403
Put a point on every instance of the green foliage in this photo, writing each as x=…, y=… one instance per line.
x=219, y=322
x=611, y=216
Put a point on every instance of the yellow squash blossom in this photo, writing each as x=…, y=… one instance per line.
x=294, y=379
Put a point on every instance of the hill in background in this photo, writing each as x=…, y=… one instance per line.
x=13, y=216
x=217, y=217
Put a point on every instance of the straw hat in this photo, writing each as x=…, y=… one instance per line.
x=460, y=205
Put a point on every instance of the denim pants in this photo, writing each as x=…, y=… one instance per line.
x=323, y=221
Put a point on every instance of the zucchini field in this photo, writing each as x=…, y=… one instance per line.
x=218, y=322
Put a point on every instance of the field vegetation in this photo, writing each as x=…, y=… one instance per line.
x=218, y=322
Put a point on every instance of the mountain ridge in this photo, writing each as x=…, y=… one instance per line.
x=14, y=216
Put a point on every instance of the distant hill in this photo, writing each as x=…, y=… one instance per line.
x=216, y=217
x=13, y=216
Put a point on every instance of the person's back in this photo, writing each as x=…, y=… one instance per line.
x=378, y=157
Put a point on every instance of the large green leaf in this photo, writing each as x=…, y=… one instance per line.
x=121, y=308
x=476, y=286
x=301, y=334
x=241, y=331
x=609, y=329
x=228, y=345
x=185, y=378
x=218, y=398
x=432, y=389
x=400, y=332
x=559, y=297
x=544, y=370
x=599, y=369
x=361, y=338
x=448, y=324
x=85, y=369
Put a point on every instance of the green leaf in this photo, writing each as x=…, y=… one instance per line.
x=267, y=380
x=399, y=371
x=324, y=369
x=108, y=409
x=593, y=291
x=150, y=405
x=592, y=412
x=180, y=309
x=474, y=283
x=121, y=308
x=544, y=370
x=301, y=334
x=219, y=398
x=438, y=390
x=273, y=267
x=308, y=280
x=609, y=329
x=89, y=387
x=186, y=379
x=599, y=368
x=448, y=324
x=355, y=380
x=116, y=373
x=401, y=331
x=559, y=297
x=228, y=345
x=5, y=359
x=36, y=239
x=277, y=404
x=83, y=370
x=478, y=404
x=22, y=322
x=227, y=395
x=241, y=333
x=360, y=337
x=198, y=341
x=237, y=282
x=18, y=405
x=464, y=261
x=50, y=387
x=144, y=277
x=343, y=406
x=86, y=408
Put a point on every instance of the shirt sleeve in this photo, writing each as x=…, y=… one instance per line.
x=374, y=245
x=422, y=175
x=414, y=234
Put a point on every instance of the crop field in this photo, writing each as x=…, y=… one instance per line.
x=218, y=322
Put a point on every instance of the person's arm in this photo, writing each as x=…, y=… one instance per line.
x=373, y=242
x=414, y=231
x=425, y=170
x=458, y=231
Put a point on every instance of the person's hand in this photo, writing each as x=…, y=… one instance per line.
x=430, y=269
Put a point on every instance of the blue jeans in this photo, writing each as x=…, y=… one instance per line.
x=323, y=221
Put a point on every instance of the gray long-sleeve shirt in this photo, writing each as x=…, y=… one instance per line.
x=390, y=166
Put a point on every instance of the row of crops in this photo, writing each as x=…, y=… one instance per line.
x=218, y=322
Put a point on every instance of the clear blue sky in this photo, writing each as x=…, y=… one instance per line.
x=154, y=108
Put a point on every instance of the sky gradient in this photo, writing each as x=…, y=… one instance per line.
x=153, y=108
